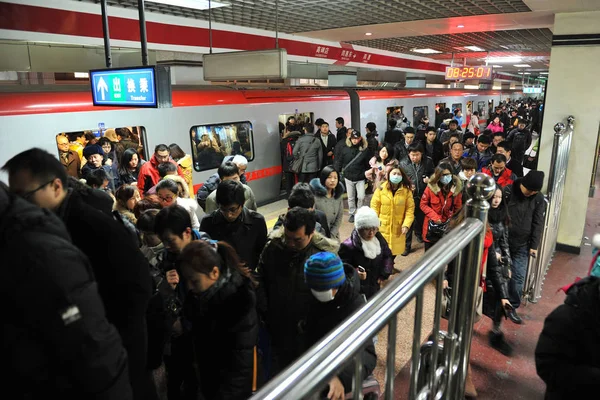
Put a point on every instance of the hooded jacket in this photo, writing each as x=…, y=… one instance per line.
x=149, y=176
x=225, y=331
x=379, y=268
x=56, y=339
x=185, y=164
x=567, y=355
x=356, y=171
x=333, y=207
x=395, y=211
x=438, y=207
x=322, y=318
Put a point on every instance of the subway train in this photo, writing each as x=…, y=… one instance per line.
x=225, y=120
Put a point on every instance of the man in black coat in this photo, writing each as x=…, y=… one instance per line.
x=328, y=142
x=56, y=339
x=335, y=290
x=122, y=271
x=352, y=162
x=526, y=207
x=505, y=149
x=244, y=229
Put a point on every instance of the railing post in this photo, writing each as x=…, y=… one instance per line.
x=481, y=188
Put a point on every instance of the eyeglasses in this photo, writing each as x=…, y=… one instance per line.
x=230, y=210
x=27, y=196
x=167, y=199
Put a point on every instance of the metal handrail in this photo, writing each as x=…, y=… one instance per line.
x=538, y=268
x=309, y=373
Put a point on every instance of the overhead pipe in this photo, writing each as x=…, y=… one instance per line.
x=106, y=34
x=210, y=25
x=143, y=38
x=276, y=24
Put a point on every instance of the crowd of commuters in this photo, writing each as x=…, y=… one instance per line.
x=220, y=301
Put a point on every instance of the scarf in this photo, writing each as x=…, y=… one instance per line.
x=371, y=248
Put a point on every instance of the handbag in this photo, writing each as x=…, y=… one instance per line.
x=435, y=231
x=296, y=166
x=447, y=300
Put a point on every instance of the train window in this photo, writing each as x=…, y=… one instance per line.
x=120, y=139
x=440, y=113
x=297, y=121
x=211, y=143
x=418, y=114
x=481, y=109
x=396, y=112
x=456, y=106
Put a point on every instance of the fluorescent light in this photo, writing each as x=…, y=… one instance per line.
x=425, y=51
x=81, y=75
x=544, y=73
x=496, y=87
x=522, y=65
x=474, y=48
x=497, y=66
x=526, y=73
x=368, y=34
x=502, y=60
x=460, y=26
x=194, y=4
x=471, y=86
x=420, y=94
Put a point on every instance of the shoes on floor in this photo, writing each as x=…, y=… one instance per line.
x=351, y=219
x=419, y=239
x=498, y=342
x=406, y=252
x=514, y=317
x=470, y=391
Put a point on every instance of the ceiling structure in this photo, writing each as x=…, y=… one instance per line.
x=519, y=30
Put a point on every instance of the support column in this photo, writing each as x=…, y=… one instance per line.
x=339, y=76
x=573, y=88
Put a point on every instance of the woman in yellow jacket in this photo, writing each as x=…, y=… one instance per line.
x=394, y=204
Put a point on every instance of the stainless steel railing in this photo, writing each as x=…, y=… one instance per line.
x=464, y=244
x=538, y=268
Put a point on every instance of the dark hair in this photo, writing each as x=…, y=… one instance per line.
x=200, y=256
x=42, y=166
x=325, y=172
x=453, y=122
x=451, y=147
x=340, y=120
x=499, y=158
x=389, y=151
x=416, y=147
x=309, y=127
x=371, y=126
x=476, y=113
x=485, y=139
x=319, y=121
x=323, y=123
x=165, y=168
x=126, y=158
x=104, y=140
x=146, y=221
x=149, y=202
x=409, y=129
x=168, y=184
x=468, y=163
x=176, y=152
x=89, y=136
x=505, y=145
x=447, y=109
x=96, y=177
x=299, y=217
x=230, y=192
x=455, y=135
x=430, y=129
x=498, y=134
x=74, y=135
x=406, y=182
x=392, y=123
x=125, y=193
x=486, y=132
x=174, y=219
x=228, y=169
x=161, y=147
x=301, y=196
x=123, y=132
x=437, y=174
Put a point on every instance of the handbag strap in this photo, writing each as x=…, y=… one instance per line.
x=351, y=161
x=308, y=147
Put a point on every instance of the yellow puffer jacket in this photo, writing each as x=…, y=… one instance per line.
x=394, y=212
x=186, y=167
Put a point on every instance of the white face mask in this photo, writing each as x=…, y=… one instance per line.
x=323, y=297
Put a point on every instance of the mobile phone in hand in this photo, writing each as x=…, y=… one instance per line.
x=361, y=269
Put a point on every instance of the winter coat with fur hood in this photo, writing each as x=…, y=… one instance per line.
x=333, y=207
x=439, y=207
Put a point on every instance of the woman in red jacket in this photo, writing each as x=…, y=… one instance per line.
x=441, y=200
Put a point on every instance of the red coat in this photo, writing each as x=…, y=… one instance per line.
x=149, y=177
x=436, y=207
x=505, y=179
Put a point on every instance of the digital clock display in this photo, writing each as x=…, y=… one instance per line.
x=466, y=72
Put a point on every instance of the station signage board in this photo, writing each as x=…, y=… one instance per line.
x=482, y=73
x=532, y=90
x=125, y=87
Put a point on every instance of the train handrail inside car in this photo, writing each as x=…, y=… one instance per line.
x=309, y=373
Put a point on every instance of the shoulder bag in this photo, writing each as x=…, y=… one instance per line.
x=350, y=163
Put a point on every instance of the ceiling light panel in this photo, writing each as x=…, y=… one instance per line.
x=522, y=65
x=192, y=4
x=310, y=15
x=474, y=48
x=425, y=51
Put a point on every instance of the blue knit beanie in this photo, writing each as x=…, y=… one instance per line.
x=324, y=271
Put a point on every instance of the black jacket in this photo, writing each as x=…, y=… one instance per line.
x=340, y=135
x=516, y=167
x=400, y=151
x=373, y=142
x=225, y=331
x=248, y=235
x=287, y=151
x=436, y=153
x=520, y=141
x=122, y=273
x=323, y=318
x=567, y=355
x=526, y=215
x=331, y=142
x=416, y=173
x=393, y=136
x=354, y=172
x=56, y=339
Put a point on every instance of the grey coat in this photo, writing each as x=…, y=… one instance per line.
x=333, y=207
x=310, y=146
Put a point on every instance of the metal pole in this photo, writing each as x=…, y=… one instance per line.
x=210, y=26
x=481, y=188
x=143, y=39
x=276, y=24
x=107, y=54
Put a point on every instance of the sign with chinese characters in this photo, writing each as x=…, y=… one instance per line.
x=322, y=51
x=128, y=87
x=532, y=90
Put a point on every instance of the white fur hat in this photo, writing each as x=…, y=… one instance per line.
x=366, y=217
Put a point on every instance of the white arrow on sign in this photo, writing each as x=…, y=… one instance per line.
x=102, y=87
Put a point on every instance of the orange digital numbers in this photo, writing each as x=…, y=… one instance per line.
x=471, y=72
x=466, y=72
